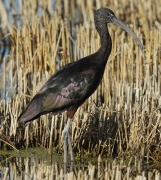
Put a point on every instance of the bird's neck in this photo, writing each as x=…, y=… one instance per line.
x=104, y=34
x=106, y=43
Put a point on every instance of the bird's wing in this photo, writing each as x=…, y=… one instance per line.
x=66, y=88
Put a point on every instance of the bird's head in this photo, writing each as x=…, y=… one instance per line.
x=105, y=15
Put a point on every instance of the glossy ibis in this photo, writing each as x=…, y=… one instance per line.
x=69, y=87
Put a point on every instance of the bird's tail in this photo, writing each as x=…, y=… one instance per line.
x=31, y=112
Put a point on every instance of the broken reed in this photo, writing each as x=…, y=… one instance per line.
x=38, y=169
x=130, y=87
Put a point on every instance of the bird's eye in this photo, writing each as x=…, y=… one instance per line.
x=111, y=16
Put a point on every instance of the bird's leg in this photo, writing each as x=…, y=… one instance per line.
x=70, y=148
x=65, y=150
x=66, y=134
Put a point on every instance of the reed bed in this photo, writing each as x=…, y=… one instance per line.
x=123, y=116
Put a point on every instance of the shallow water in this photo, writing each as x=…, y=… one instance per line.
x=36, y=163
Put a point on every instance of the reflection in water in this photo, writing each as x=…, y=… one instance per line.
x=31, y=168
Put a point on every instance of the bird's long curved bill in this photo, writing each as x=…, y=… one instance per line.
x=128, y=30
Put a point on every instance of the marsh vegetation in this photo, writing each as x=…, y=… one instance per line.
x=122, y=119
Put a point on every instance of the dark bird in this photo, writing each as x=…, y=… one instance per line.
x=69, y=87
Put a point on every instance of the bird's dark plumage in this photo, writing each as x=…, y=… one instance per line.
x=69, y=87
